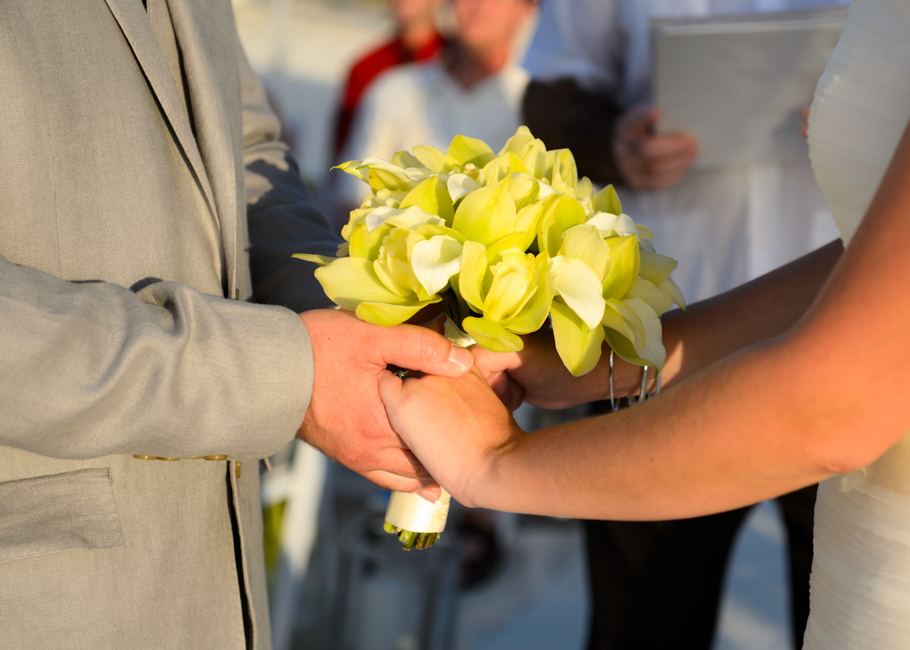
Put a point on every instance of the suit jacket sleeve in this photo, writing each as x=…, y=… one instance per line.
x=282, y=217
x=89, y=369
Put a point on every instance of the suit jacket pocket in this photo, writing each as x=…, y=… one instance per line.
x=59, y=512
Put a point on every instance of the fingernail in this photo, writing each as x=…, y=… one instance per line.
x=459, y=358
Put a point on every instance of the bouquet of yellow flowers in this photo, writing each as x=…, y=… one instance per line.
x=505, y=241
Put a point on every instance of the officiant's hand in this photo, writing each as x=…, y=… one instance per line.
x=538, y=376
x=346, y=419
x=649, y=160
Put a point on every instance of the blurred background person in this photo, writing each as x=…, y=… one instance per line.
x=473, y=88
x=417, y=38
x=591, y=69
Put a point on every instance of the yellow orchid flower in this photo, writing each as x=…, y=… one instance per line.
x=472, y=219
x=394, y=271
x=600, y=295
x=512, y=292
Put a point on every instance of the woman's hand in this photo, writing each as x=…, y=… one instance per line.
x=457, y=428
x=538, y=376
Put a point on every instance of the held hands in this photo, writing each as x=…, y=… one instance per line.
x=650, y=161
x=457, y=427
x=346, y=419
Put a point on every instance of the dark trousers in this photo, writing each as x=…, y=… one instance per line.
x=657, y=585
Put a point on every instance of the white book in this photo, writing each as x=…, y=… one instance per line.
x=739, y=83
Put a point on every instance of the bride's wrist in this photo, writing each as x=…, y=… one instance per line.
x=627, y=378
x=487, y=486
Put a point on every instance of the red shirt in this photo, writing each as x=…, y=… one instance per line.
x=368, y=68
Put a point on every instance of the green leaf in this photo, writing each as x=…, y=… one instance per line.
x=491, y=335
x=431, y=195
x=578, y=346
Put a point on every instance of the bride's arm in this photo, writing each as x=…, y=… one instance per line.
x=828, y=396
x=709, y=331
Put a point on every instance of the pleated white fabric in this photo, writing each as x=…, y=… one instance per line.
x=860, y=587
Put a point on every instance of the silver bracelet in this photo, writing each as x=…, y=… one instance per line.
x=642, y=395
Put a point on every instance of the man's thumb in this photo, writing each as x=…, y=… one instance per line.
x=420, y=349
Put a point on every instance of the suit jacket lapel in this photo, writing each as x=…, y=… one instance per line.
x=219, y=137
x=136, y=27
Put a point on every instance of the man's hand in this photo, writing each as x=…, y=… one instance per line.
x=346, y=419
x=649, y=161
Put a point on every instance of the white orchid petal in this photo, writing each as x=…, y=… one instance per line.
x=653, y=349
x=460, y=184
x=435, y=261
x=613, y=224
x=580, y=288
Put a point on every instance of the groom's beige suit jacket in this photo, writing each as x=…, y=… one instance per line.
x=123, y=228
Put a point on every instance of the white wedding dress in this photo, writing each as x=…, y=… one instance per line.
x=860, y=588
